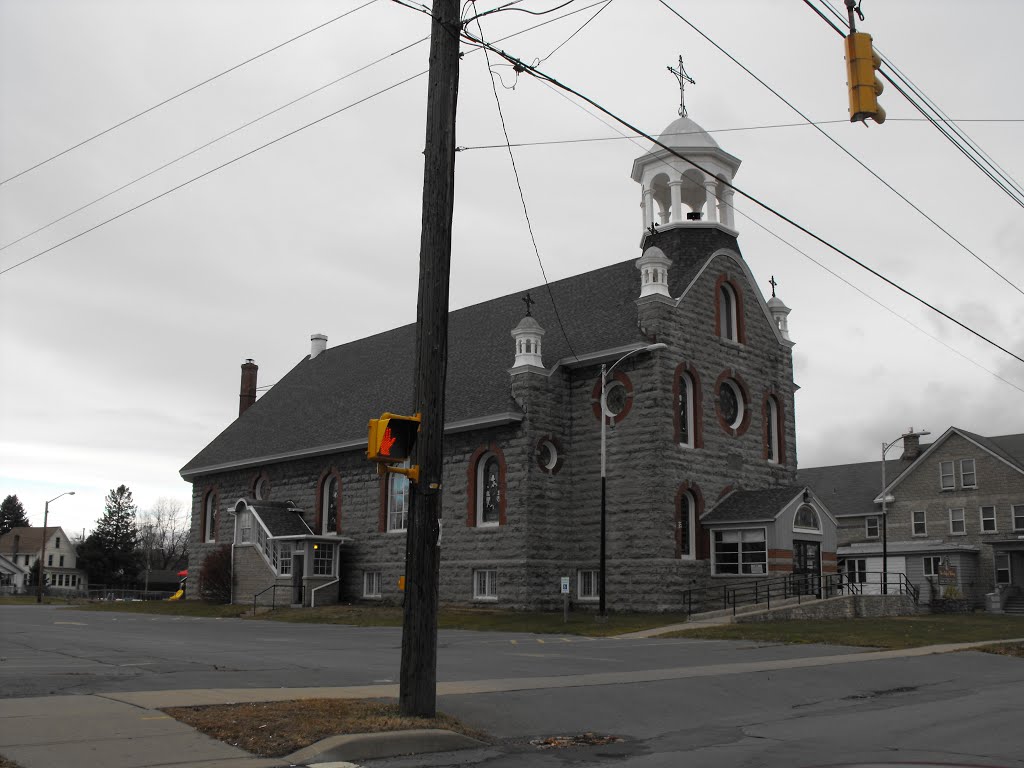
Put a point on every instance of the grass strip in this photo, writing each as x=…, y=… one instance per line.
x=278, y=728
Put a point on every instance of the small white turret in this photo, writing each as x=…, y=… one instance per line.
x=653, y=266
x=528, y=335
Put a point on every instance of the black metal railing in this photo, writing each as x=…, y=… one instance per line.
x=761, y=592
x=273, y=594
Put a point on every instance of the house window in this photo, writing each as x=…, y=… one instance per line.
x=329, y=504
x=398, y=501
x=1018, y=518
x=857, y=570
x=283, y=554
x=946, y=479
x=968, y=479
x=485, y=584
x=57, y=545
x=806, y=519
x=323, y=559
x=871, y=527
x=244, y=526
x=931, y=565
x=1002, y=568
x=728, y=313
x=49, y=559
x=61, y=563
x=988, y=519
x=371, y=584
x=741, y=551
x=772, y=430
x=686, y=525
x=920, y=526
x=587, y=585
x=488, y=490
x=686, y=410
x=210, y=517
x=957, y=524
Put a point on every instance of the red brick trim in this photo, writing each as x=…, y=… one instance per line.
x=698, y=404
x=595, y=396
x=744, y=424
x=321, y=488
x=741, y=323
x=701, y=541
x=780, y=424
x=471, y=472
x=210, y=491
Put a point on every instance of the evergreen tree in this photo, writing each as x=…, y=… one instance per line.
x=12, y=514
x=110, y=553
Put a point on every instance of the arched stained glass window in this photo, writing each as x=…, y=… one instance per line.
x=329, y=509
x=490, y=491
x=806, y=518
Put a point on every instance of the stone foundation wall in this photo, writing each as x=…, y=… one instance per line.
x=848, y=607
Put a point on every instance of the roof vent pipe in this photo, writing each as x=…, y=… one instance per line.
x=317, y=344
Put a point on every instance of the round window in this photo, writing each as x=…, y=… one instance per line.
x=615, y=398
x=730, y=403
x=547, y=455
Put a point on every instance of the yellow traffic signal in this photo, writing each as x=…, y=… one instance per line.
x=391, y=438
x=864, y=86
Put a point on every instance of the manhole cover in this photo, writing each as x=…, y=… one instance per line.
x=579, y=740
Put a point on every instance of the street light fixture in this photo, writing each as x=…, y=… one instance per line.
x=603, y=605
x=42, y=551
x=886, y=498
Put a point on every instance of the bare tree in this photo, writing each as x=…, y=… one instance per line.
x=164, y=533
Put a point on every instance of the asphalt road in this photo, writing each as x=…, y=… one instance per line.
x=672, y=702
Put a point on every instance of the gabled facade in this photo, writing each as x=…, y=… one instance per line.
x=955, y=512
x=707, y=411
x=23, y=547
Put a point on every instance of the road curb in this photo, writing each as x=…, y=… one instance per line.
x=369, y=746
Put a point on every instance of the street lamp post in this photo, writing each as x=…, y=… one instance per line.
x=42, y=551
x=603, y=605
x=886, y=498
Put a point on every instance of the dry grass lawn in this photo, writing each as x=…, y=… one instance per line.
x=278, y=728
x=5, y=763
x=1006, y=649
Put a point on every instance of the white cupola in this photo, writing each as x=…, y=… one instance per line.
x=528, y=335
x=780, y=313
x=653, y=266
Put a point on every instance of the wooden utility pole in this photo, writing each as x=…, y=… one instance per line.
x=418, y=679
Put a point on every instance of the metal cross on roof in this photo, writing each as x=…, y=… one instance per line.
x=773, y=284
x=528, y=301
x=683, y=78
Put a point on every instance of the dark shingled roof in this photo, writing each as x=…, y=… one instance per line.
x=850, y=489
x=752, y=506
x=30, y=540
x=281, y=518
x=328, y=400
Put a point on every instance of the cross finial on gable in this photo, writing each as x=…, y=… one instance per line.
x=773, y=284
x=683, y=78
x=528, y=302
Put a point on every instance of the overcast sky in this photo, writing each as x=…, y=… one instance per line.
x=121, y=349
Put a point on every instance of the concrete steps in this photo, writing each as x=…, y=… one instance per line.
x=1014, y=605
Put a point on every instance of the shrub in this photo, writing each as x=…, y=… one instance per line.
x=215, y=578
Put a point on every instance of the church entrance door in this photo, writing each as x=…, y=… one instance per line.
x=807, y=567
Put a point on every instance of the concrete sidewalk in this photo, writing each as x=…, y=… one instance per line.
x=127, y=730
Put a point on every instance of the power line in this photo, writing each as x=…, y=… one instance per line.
x=803, y=253
x=212, y=170
x=522, y=196
x=942, y=123
x=274, y=141
x=533, y=71
x=182, y=93
x=848, y=153
x=570, y=37
x=212, y=142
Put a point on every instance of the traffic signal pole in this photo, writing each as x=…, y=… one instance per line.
x=418, y=677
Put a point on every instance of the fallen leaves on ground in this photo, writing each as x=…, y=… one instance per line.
x=579, y=740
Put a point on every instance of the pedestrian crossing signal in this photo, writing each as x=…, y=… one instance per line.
x=392, y=438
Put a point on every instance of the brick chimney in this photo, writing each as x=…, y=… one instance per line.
x=247, y=395
x=911, y=445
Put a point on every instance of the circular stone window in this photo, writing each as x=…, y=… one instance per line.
x=730, y=403
x=547, y=455
x=615, y=398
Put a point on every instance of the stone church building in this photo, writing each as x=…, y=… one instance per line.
x=700, y=442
